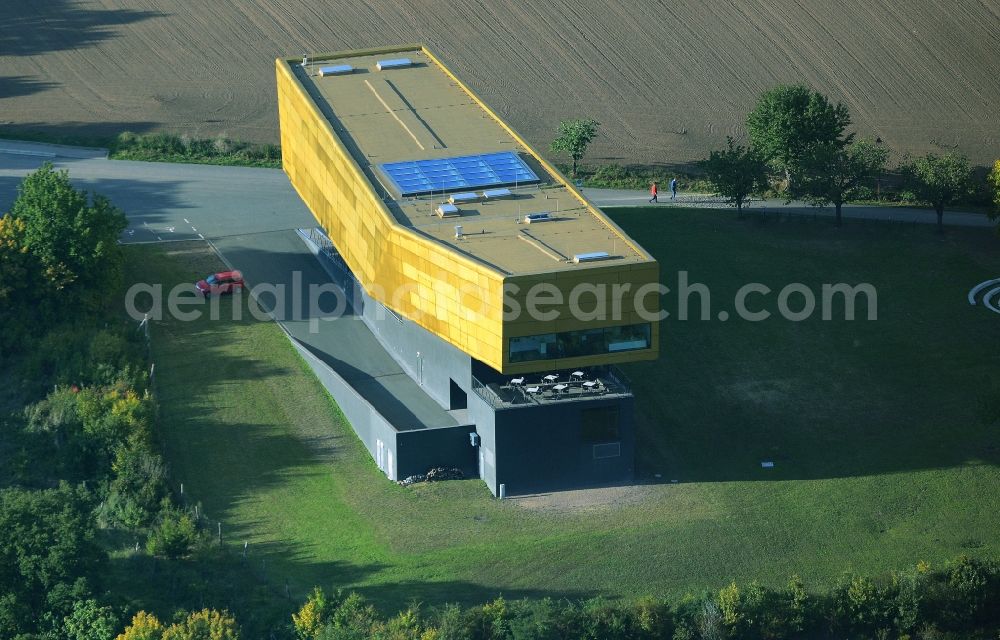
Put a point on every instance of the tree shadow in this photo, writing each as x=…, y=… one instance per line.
x=259, y=591
x=86, y=134
x=341, y=341
x=145, y=203
x=14, y=86
x=30, y=28
x=818, y=399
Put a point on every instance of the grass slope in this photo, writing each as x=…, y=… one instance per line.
x=881, y=457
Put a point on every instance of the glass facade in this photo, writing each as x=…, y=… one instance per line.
x=572, y=344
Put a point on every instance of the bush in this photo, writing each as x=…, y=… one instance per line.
x=166, y=147
x=47, y=556
x=174, y=537
x=138, y=488
x=860, y=607
x=90, y=621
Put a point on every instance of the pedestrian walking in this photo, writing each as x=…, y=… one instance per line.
x=673, y=188
x=653, y=191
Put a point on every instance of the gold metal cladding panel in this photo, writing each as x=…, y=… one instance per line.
x=388, y=259
x=606, y=296
x=458, y=299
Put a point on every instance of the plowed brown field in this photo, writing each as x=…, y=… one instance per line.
x=668, y=80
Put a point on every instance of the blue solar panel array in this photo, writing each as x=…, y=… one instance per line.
x=454, y=174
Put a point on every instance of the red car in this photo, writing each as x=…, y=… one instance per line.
x=219, y=283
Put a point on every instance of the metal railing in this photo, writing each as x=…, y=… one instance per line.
x=488, y=395
x=610, y=381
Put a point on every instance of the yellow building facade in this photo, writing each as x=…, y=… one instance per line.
x=336, y=131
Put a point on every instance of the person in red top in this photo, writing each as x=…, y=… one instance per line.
x=653, y=190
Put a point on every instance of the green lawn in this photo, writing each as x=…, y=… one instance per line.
x=882, y=455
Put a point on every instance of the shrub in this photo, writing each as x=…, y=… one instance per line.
x=47, y=556
x=207, y=624
x=90, y=621
x=166, y=147
x=312, y=616
x=139, y=485
x=175, y=535
x=144, y=626
x=968, y=583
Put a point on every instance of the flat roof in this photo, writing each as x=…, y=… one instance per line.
x=419, y=112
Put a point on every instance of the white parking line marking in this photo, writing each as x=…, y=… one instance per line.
x=201, y=236
x=186, y=221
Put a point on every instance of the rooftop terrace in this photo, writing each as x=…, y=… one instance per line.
x=419, y=112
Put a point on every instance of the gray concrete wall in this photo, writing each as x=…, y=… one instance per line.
x=425, y=449
x=541, y=448
x=429, y=360
x=482, y=415
x=367, y=423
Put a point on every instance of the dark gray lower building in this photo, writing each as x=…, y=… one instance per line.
x=520, y=434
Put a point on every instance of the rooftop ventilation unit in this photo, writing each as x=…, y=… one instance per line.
x=493, y=194
x=446, y=210
x=397, y=63
x=336, y=70
x=537, y=217
x=458, y=232
x=463, y=197
x=591, y=257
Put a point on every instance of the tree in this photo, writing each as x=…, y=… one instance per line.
x=174, y=537
x=207, y=624
x=573, y=137
x=17, y=272
x=994, y=183
x=736, y=173
x=939, y=181
x=90, y=621
x=789, y=119
x=47, y=553
x=829, y=173
x=144, y=626
x=311, y=618
x=74, y=236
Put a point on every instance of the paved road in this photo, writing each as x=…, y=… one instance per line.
x=250, y=216
x=627, y=198
x=166, y=201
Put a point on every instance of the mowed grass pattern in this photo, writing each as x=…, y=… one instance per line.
x=882, y=458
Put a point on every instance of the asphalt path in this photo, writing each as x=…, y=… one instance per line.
x=167, y=201
x=250, y=216
x=628, y=198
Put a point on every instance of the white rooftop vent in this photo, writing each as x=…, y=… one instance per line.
x=463, y=197
x=591, y=257
x=336, y=70
x=492, y=194
x=446, y=210
x=396, y=63
x=458, y=232
x=537, y=217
